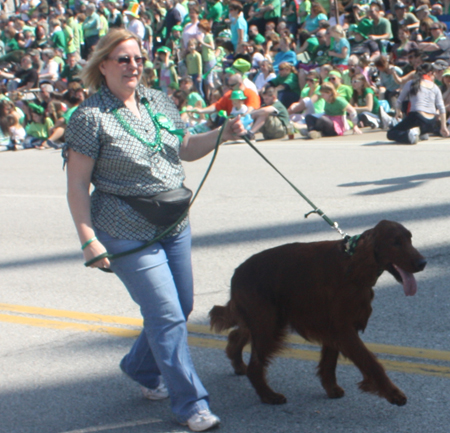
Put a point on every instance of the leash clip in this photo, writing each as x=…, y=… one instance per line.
x=317, y=211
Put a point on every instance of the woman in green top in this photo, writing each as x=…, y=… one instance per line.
x=333, y=122
x=365, y=102
x=311, y=101
x=287, y=84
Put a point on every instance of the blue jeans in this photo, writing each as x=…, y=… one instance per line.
x=159, y=279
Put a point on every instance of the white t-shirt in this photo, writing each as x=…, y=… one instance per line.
x=235, y=112
x=137, y=27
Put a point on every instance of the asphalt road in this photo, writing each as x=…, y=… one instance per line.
x=64, y=328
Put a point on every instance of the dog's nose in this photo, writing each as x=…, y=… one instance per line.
x=421, y=264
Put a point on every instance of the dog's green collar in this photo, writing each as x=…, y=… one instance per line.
x=350, y=244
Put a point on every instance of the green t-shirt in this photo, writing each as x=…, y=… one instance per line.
x=318, y=54
x=383, y=27
x=215, y=12
x=207, y=53
x=345, y=91
x=71, y=74
x=68, y=33
x=282, y=114
x=194, y=63
x=68, y=114
x=291, y=81
x=39, y=130
x=59, y=40
x=275, y=12
x=193, y=98
x=336, y=108
x=304, y=10
x=259, y=39
x=319, y=105
x=362, y=100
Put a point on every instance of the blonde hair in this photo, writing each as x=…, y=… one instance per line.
x=91, y=75
x=329, y=88
x=339, y=30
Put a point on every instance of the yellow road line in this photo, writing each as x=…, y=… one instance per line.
x=412, y=352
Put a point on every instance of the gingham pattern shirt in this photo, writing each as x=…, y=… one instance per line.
x=123, y=164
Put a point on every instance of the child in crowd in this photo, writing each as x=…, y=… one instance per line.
x=16, y=132
x=38, y=130
x=194, y=65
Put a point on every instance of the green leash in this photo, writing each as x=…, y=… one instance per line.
x=169, y=229
x=350, y=241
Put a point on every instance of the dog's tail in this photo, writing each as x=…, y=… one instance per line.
x=222, y=318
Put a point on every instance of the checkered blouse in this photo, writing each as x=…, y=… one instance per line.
x=123, y=164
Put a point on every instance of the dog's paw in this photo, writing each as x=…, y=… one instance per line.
x=335, y=392
x=240, y=369
x=274, y=398
x=397, y=397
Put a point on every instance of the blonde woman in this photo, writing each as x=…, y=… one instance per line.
x=127, y=140
x=333, y=122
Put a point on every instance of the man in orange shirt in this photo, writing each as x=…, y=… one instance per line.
x=253, y=100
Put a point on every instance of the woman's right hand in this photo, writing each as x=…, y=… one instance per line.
x=95, y=249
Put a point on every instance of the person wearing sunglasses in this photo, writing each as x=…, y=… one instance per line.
x=439, y=46
x=128, y=141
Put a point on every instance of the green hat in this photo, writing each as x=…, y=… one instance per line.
x=242, y=65
x=36, y=108
x=133, y=10
x=177, y=28
x=225, y=34
x=230, y=71
x=446, y=73
x=238, y=94
x=364, y=28
x=335, y=73
x=164, y=50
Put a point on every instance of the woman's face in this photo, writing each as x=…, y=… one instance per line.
x=120, y=76
x=326, y=96
x=311, y=81
x=264, y=67
x=284, y=71
x=403, y=35
x=335, y=81
x=357, y=83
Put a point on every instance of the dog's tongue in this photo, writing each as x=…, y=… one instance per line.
x=409, y=282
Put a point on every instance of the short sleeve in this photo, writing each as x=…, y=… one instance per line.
x=82, y=133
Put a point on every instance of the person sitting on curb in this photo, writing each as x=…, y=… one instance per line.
x=234, y=82
x=272, y=119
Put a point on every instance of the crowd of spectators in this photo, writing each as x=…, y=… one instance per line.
x=319, y=68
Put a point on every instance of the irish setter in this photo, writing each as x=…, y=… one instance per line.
x=324, y=292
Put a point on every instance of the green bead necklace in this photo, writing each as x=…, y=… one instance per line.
x=156, y=145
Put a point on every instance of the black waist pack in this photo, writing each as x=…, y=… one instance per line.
x=162, y=209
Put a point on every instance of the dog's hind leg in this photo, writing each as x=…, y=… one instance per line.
x=264, y=345
x=375, y=379
x=237, y=339
x=326, y=370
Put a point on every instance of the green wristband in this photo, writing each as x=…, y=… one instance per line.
x=88, y=242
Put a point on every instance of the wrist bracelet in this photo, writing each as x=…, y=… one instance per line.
x=88, y=242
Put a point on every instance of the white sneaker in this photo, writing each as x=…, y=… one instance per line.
x=413, y=135
x=202, y=421
x=159, y=393
x=386, y=120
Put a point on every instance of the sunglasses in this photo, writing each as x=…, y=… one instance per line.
x=126, y=60
x=312, y=80
x=332, y=78
x=435, y=28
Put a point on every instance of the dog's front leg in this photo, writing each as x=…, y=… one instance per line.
x=326, y=370
x=375, y=379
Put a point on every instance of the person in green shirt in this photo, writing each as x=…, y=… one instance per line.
x=287, y=84
x=272, y=119
x=57, y=35
x=208, y=56
x=194, y=64
x=365, y=102
x=214, y=16
x=335, y=78
x=38, y=130
x=333, y=122
x=311, y=101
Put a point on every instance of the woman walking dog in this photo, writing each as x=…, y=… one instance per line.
x=128, y=141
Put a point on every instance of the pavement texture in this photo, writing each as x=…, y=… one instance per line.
x=65, y=328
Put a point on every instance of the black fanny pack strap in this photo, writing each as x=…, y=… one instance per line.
x=171, y=227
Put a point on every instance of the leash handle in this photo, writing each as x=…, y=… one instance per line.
x=169, y=229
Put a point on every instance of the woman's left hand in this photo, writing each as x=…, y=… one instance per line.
x=356, y=130
x=444, y=131
x=233, y=129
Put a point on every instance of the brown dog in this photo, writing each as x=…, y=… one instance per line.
x=323, y=291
